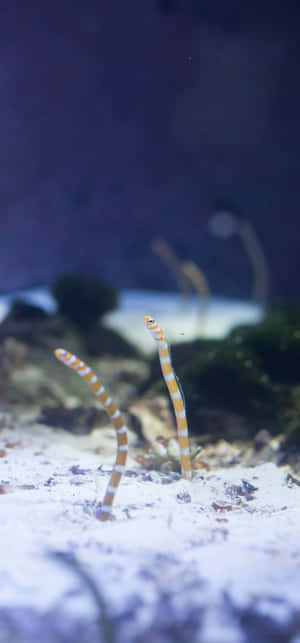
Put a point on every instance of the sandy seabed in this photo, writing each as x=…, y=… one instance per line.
x=212, y=561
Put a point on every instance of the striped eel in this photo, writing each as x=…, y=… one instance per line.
x=114, y=415
x=176, y=395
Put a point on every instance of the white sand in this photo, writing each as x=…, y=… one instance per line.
x=157, y=556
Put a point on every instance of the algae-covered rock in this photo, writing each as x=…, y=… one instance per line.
x=228, y=381
x=100, y=340
x=21, y=310
x=79, y=420
x=24, y=322
x=83, y=299
x=225, y=389
x=181, y=355
x=31, y=387
x=38, y=330
x=291, y=420
x=276, y=344
x=246, y=382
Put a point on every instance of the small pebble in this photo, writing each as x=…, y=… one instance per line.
x=77, y=471
x=291, y=480
x=130, y=474
x=183, y=498
x=49, y=482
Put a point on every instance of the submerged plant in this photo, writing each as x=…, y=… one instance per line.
x=114, y=415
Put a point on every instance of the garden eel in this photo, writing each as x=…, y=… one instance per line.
x=176, y=395
x=114, y=415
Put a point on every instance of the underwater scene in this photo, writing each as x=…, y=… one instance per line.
x=150, y=324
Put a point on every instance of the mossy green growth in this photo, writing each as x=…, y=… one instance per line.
x=276, y=344
x=291, y=419
x=228, y=380
x=248, y=381
x=83, y=299
x=181, y=354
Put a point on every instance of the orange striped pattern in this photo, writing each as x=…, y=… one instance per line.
x=114, y=415
x=175, y=394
